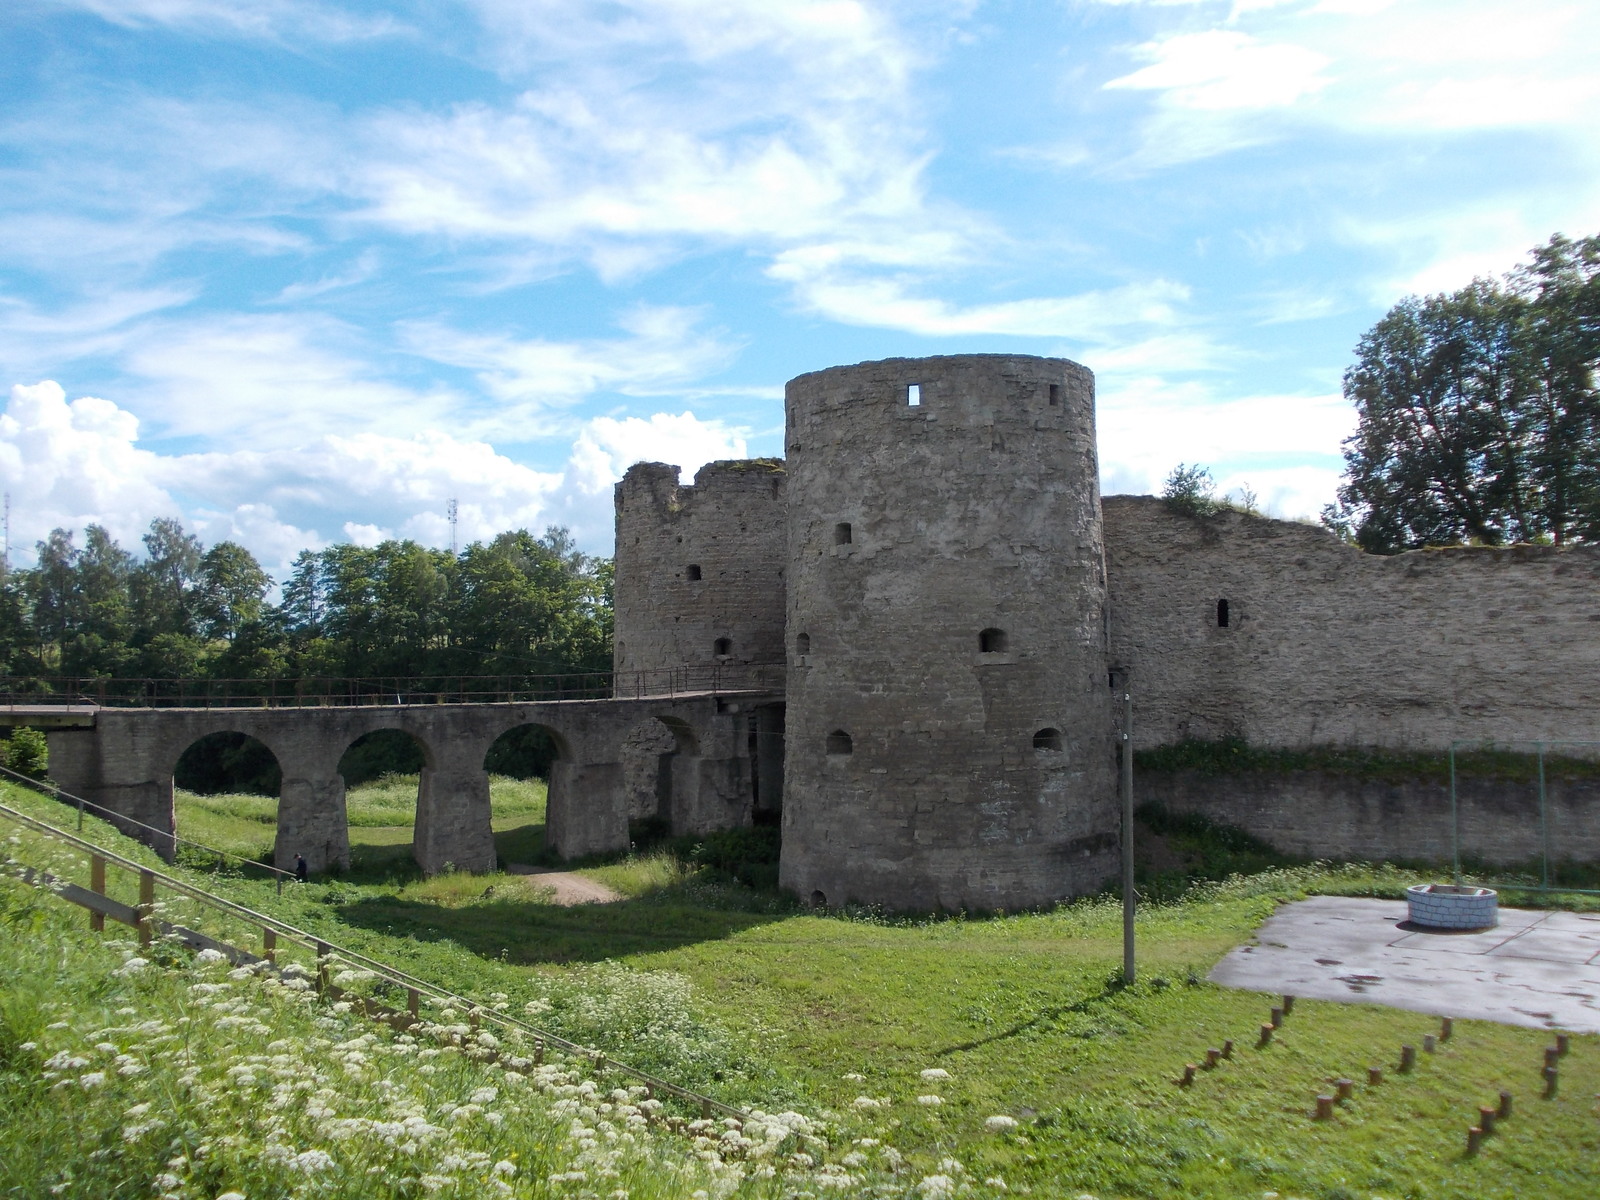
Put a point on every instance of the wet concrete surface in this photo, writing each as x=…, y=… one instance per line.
x=1539, y=969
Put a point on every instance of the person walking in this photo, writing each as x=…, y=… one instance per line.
x=301, y=871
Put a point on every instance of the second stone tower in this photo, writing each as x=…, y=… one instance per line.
x=948, y=734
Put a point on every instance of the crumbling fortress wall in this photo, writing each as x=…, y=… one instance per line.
x=934, y=563
x=700, y=569
x=1238, y=625
x=948, y=734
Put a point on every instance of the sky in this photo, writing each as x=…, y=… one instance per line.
x=302, y=271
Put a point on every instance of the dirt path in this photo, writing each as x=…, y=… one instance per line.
x=567, y=887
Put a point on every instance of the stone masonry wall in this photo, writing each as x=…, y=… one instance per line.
x=924, y=768
x=729, y=528
x=1326, y=644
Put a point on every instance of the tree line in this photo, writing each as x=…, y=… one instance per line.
x=515, y=605
x=1480, y=412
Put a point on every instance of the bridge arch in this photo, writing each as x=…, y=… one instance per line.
x=222, y=762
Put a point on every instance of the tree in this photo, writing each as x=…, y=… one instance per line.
x=1479, y=414
x=230, y=590
x=163, y=583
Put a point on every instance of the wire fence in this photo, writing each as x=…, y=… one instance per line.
x=205, y=920
x=335, y=691
x=159, y=840
x=1529, y=801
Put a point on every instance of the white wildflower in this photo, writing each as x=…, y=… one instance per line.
x=505, y=1167
x=930, y=1101
x=854, y=1078
x=937, y=1187
x=132, y=967
x=311, y=1160
x=995, y=1182
x=209, y=956
x=866, y=1103
x=1000, y=1124
x=936, y=1073
x=92, y=1079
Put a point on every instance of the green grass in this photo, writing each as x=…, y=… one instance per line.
x=381, y=817
x=774, y=1005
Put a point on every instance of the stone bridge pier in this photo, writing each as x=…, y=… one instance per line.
x=125, y=762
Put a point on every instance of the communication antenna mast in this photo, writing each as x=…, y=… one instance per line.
x=451, y=511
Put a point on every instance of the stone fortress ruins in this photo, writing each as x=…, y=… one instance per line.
x=957, y=610
x=905, y=643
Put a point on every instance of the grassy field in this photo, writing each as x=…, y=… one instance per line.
x=381, y=816
x=842, y=1015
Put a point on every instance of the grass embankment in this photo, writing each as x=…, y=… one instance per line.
x=841, y=1015
x=132, y=1071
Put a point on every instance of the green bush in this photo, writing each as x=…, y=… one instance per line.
x=27, y=753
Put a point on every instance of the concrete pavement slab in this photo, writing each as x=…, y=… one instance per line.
x=1537, y=969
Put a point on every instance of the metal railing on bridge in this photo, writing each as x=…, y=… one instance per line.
x=315, y=691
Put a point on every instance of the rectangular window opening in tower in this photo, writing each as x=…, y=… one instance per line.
x=914, y=395
x=1055, y=394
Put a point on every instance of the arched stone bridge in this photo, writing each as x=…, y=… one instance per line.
x=123, y=760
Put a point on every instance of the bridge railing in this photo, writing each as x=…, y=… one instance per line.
x=336, y=691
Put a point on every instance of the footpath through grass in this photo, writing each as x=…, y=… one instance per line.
x=917, y=1033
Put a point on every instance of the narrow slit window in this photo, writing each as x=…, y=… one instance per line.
x=802, y=644
x=993, y=641
x=692, y=571
x=1222, y=614
x=842, y=534
x=914, y=395
x=1047, y=739
x=722, y=647
x=1055, y=394
x=839, y=742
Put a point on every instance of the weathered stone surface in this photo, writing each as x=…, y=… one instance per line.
x=1328, y=645
x=912, y=530
x=700, y=570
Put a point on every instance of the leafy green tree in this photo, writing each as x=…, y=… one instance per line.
x=1479, y=413
x=53, y=588
x=230, y=591
x=163, y=584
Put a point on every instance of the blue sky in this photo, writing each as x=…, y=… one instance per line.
x=301, y=271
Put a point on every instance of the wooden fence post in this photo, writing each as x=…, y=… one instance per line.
x=147, y=905
x=97, y=884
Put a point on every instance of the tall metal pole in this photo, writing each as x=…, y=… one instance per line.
x=1127, y=837
x=1455, y=823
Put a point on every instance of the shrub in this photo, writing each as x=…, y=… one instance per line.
x=27, y=753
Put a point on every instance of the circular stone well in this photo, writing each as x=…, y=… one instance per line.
x=1452, y=906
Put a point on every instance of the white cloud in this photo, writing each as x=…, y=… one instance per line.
x=289, y=20
x=857, y=299
x=663, y=347
x=73, y=464
x=608, y=446
x=1224, y=69
x=1285, y=447
x=1426, y=66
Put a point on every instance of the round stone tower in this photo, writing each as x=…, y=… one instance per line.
x=949, y=735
